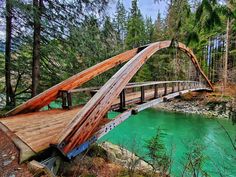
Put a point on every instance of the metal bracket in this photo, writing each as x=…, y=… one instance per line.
x=76, y=151
x=51, y=164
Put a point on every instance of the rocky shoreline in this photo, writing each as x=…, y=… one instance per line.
x=210, y=109
x=124, y=157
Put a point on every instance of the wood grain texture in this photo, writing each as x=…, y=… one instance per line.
x=43, y=99
x=194, y=60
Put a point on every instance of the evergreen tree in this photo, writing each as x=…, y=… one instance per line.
x=208, y=17
x=120, y=22
x=135, y=28
x=144, y=74
x=10, y=100
x=149, y=30
x=177, y=14
x=37, y=8
x=159, y=32
x=109, y=37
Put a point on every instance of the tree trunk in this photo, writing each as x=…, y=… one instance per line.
x=10, y=98
x=225, y=69
x=37, y=6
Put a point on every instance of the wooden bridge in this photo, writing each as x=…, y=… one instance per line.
x=72, y=128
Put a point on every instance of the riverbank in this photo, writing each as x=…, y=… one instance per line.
x=211, y=105
x=107, y=160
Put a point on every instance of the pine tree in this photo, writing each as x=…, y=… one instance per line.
x=208, y=17
x=135, y=28
x=149, y=30
x=177, y=14
x=10, y=98
x=120, y=22
x=159, y=32
x=37, y=7
x=108, y=37
x=144, y=74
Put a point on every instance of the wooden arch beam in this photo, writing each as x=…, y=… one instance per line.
x=194, y=60
x=44, y=98
x=84, y=123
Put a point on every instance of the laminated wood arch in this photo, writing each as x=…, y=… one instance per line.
x=84, y=123
x=44, y=98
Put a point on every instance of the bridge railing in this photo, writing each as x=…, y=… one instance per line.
x=142, y=91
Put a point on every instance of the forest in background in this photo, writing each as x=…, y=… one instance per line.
x=49, y=41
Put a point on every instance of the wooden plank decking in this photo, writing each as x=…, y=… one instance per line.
x=36, y=131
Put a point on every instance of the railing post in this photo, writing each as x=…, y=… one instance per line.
x=165, y=88
x=63, y=97
x=155, y=91
x=66, y=99
x=69, y=99
x=178, y=86
x=173, y=87
x=142, y=94
x=122, y=100
x=197, y=75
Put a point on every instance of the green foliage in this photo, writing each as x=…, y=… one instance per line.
x=149, y=30
x=135, y=27
x=73, y=41
x=120, y=23
x=144, y=74
x=157, y=154
x=177, y=19
x=194, y=161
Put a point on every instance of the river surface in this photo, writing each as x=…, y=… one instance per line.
x=182, y=131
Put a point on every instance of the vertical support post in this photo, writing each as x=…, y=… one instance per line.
x=197, y=75
x=122, y=100
x=142, y=94
x=64, y=99
x=178, y=86
x=155, y=91
x=69, y=99
x=173, y=87
x=165, y=88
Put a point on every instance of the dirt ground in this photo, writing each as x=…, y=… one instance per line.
x=9, y=157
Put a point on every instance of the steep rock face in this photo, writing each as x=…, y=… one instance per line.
x=124, y=157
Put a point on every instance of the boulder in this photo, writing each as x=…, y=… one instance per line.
x=124, y=157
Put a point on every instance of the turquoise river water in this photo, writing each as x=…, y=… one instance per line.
x=181, y=131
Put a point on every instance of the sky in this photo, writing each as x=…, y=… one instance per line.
x=148, y=7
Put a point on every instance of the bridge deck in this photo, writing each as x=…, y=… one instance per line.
x=38, y=130
x=34, y=132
